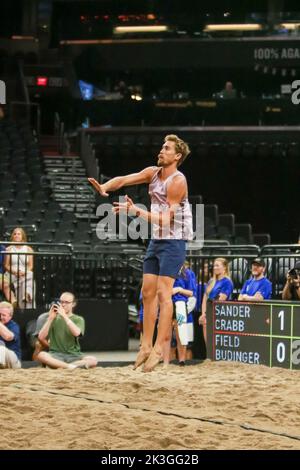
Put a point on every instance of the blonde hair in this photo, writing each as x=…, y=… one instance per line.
x=7, y=305
x=211, y=284
x=24, y=236
x=180, y=147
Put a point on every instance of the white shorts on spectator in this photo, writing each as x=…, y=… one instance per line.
x=190, y=332
x=191, y=305
x=181, y=317
x=8, y=359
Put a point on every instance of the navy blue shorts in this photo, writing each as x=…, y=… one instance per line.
x=165, y=257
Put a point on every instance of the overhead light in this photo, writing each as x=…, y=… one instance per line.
x=290, y=26
x=233, y=27
x=136, y=97
x=140, y=29
x=23, y=38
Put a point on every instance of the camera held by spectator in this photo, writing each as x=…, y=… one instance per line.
x=291, y=290
x=293, y=274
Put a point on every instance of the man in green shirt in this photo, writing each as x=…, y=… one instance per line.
x=62, y=331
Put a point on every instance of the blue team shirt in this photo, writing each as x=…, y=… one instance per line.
x=263, y=286
x=15, y=344
x=186, y=281
x=222, y=286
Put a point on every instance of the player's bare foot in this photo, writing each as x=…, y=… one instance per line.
x=141, y=358
x=152, y=361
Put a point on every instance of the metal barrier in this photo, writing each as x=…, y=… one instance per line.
x=59, y=128
x=106, y=276
x=33, y=278
x=87, y=154
x=280, y=249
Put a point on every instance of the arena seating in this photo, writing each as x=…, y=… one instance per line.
x=24, y=197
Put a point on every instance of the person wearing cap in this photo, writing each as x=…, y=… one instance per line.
x=258, y=287
x=291, y=290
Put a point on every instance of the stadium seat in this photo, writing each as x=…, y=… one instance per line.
x=261, y=239
x=226, y=227
x=248, y=150
x=243, y=234
x=239, y=270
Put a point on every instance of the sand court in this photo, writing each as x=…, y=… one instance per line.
x=211, y=405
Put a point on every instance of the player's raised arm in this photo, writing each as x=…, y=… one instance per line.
x=114, y=184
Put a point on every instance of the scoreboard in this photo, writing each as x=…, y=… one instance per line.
x=265, y=333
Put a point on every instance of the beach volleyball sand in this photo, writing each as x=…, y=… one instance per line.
x=212, y=405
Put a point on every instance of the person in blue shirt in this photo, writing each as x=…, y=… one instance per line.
x=258, y=287
x=191, y=308
x=219, y=287
x=184, y=289
x=201, y=287
x=10, y=346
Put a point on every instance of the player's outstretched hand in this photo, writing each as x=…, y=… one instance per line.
x=99, y=187
x=127, y=206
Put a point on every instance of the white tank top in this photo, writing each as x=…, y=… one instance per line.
x=181, y=228
x=21, y=264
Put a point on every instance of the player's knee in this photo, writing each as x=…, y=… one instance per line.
x=41, y=356
x=148, y=293
x=163, y=296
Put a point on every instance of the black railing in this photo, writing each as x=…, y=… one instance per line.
x=32, y=279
